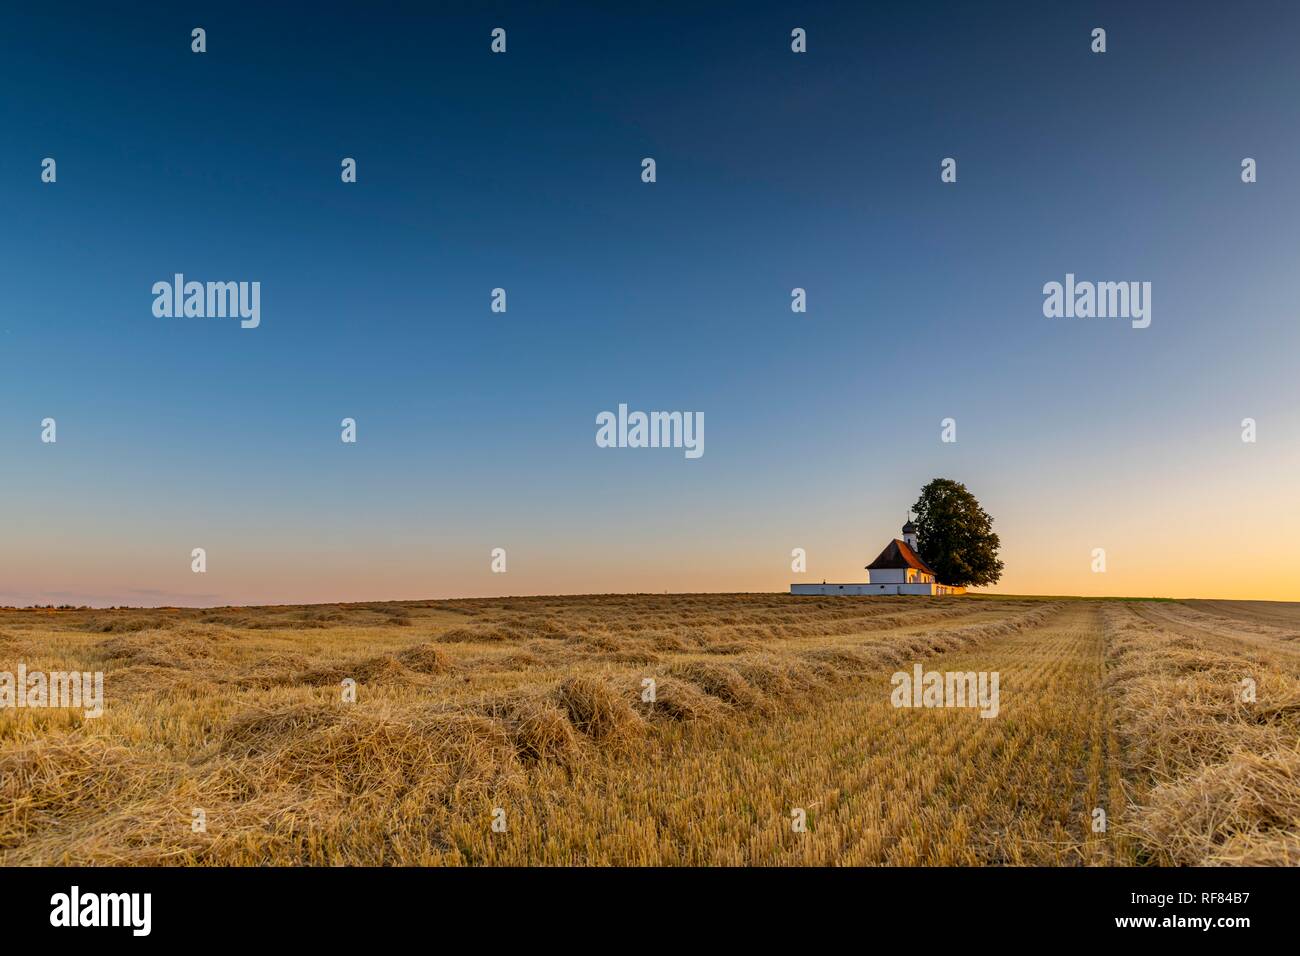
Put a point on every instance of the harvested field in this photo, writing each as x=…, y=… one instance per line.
x=658, y=730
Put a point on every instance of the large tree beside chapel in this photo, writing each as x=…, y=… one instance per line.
x=955, y=535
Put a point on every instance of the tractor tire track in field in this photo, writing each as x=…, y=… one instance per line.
x=956, y=788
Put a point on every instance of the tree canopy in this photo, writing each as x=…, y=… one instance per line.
x=955, y=535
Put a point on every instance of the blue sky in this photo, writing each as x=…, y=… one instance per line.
x=522, y=171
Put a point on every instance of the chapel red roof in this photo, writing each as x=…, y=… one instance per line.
x=899, y=554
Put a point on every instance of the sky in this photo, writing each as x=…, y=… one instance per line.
x=523, y=171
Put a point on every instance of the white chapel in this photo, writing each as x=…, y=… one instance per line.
x=898, y=569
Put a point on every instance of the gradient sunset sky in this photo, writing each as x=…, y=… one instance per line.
x=775, y=170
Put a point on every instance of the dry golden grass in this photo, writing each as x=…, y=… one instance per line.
x=763, y=705
x=1215, y=778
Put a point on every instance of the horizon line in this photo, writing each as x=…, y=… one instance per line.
x=579, y=594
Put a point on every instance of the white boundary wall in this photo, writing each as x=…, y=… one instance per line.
x=859, y=589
